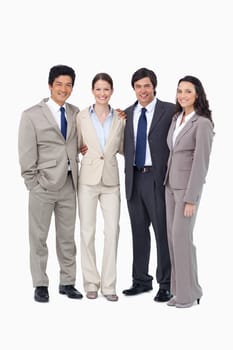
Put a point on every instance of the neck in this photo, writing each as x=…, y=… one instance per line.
x=187, y=111
x=102, y=111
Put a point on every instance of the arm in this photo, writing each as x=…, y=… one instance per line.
x=121, y=148
x=204, y=138
x=79, y=134
x=28, y=153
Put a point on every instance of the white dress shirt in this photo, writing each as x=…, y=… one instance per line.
x=55, y=110
x=149, y=116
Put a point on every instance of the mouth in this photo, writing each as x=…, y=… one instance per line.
x=143, y=96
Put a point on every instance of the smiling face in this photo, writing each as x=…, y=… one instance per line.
x=186, y=96
x=61, y=89
x=102, y=92
x=144, y=91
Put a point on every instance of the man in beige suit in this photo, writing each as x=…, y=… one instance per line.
x=101, y=129
x=48, y=159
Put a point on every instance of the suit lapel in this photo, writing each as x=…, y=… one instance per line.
x=158, y=113
x=89, y=127
x=53, y=122
x=186, y=128
x=69, y=115
x=113, y=129
x=171, y=132
x=129, y=120
x=47, y=113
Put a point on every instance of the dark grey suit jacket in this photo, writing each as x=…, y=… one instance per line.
x=157, y=138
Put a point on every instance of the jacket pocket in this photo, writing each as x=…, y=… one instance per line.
x=48, y=164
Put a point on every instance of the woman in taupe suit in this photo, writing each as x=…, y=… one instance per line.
x=189, y=139
x=101, y=129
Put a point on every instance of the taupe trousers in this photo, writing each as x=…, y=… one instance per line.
x=184, y=280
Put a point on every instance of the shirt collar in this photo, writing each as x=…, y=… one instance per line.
x=92, y=111
x=53, y=105
x=150, y=107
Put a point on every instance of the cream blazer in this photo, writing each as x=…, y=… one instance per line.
x=97, y=165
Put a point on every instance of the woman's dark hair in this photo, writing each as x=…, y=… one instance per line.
x=144, y=73
x=102, y=76
x=58, y=70
x=201, y=104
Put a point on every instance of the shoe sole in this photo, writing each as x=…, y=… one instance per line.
x=69, y=296
x=41, y=300
x=144, y=291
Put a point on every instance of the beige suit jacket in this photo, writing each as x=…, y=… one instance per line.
x=43, y=152
x=189, y=157
x=97, y=165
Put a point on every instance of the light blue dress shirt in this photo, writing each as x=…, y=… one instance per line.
x=102, y=130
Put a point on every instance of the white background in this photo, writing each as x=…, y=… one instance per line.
x=174, y=38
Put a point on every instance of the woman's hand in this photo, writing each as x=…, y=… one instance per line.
x=121, y=113
x=189, y=209
x=83, y=149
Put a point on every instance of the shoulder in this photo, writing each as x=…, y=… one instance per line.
x=72, y=108
x=33, y=111
x=166, y=105
x=131, y=108
x=204, y=122
x=117, y=117
x=35, y=107
x=83, y=113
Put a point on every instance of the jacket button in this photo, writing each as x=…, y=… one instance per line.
x=101, y=157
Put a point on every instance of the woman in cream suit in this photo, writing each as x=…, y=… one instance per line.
x=189, y=139
x=101, y=130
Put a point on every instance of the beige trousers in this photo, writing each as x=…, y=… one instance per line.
x=109, y=200
x=42, y=204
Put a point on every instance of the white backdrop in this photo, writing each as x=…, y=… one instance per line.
x=174, y=38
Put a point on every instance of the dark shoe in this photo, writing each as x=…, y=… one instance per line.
x=70, y=291
x=136, y=289
x=163, y=295
x=41, y=294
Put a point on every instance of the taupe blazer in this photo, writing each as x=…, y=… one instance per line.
x=43, y=152
x=97, y=165
x=189, y=157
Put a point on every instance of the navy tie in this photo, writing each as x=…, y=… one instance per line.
x=63, y=122
x=140, y=153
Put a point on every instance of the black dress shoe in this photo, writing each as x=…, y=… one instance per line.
x=163, y=295
x=70, y=291
x=136, y=289
x=41, y=294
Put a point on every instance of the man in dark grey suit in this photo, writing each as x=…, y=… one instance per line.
x=145, y=168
